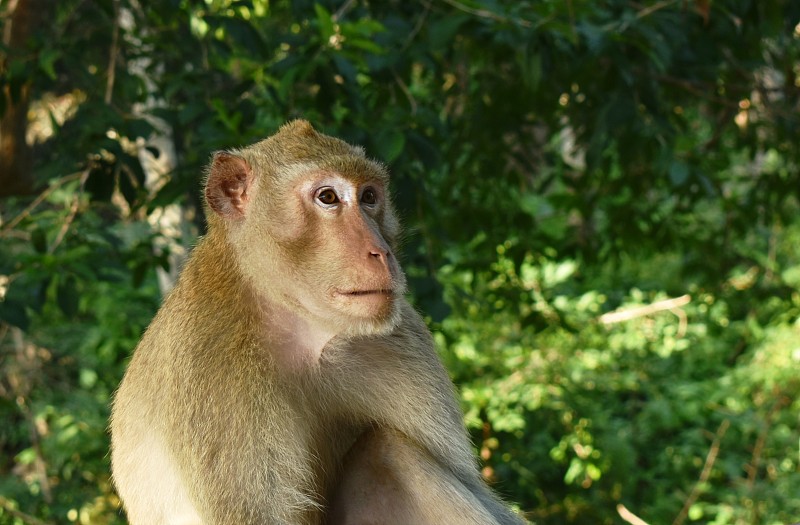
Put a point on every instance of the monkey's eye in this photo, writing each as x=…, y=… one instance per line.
x=328, y=197
x=369, y=197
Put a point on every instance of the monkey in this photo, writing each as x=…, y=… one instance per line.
x=286, y=379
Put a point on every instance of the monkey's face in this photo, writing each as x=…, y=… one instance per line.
x=313, y=230
x=332, y=230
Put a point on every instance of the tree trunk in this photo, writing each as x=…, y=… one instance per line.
x=23, y=19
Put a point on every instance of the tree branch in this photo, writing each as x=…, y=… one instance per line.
x=112, y=58
x=758, y=448
x=38, y=200
x=484, y=13
x=73, y=211
x=711, y=457
x=620, y=316
x=8, y=506
x=629, y=516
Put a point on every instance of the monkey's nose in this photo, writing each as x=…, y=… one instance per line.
x=379, y=254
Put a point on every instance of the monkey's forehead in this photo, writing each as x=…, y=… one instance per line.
x=356, y=169
x=279, y=164
x=298, y=140
x=298, y=148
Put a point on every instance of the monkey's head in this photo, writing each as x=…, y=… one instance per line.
x=312, y=228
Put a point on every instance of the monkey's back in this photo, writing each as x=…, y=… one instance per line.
x=181, y=403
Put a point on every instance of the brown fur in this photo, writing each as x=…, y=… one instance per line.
x=258, y=395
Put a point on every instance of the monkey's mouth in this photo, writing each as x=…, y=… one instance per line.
x=372, y=304
x=365, y=293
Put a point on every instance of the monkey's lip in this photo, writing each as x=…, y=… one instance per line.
x=365, y=293
x=366, y=305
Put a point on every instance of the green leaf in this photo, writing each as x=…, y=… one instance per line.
x=424, y=149
x=14, y=312
x=442, y=30
x=389, y=145
x=39, y=240
x=88, y=378
x=530, y=63
x=325, y=21
x=47, y=59
x=365, y=45
x=67, y=295
x=678, y=173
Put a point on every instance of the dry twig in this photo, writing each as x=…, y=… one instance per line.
x=672, y=305
x=629, y=516
x=711, y=457
x=758, y=448
x=418, y=26
x=73, y=211
x=407, y=92
x=38, y=200
x=345, y=7
x=484, y=13
x=112, y=58
x=8, y=507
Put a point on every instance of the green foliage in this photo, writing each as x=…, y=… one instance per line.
x=565, y=404
x=555, y=163
x=82, y=300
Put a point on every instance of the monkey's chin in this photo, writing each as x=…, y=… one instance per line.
x=369, y=313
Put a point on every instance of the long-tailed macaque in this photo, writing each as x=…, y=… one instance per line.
x=286, y=380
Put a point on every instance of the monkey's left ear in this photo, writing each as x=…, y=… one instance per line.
x=228, y=186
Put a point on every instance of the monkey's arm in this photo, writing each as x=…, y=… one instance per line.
x=390, y=480
x=418, y=466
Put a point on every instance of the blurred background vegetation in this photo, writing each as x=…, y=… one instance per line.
x=602, y=203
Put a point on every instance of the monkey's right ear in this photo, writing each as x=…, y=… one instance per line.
x=230, y=180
